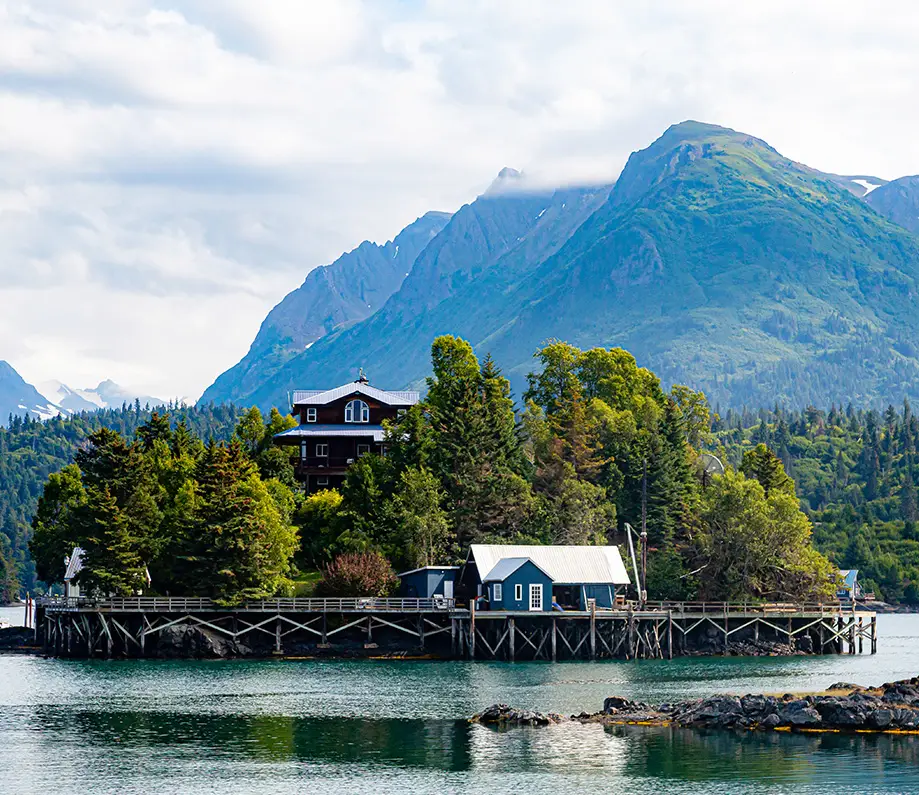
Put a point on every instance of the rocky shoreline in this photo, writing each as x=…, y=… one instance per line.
x=892, y=707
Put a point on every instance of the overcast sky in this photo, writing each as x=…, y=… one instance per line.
x=169, y=170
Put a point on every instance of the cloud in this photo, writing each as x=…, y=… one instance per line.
x=170, y=168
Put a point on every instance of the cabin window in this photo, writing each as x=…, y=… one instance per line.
x=496, y=592
x=400, y=412
x=357, y=411
x=322, y=450
x=303, y=450
x=518, y=592
x=311, y=415
x=322, y=481
x=363, y=449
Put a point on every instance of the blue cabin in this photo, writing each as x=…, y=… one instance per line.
x=428, y=582
x=518, y=584
x=578, y=575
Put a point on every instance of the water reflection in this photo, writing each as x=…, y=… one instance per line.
x=454, y=746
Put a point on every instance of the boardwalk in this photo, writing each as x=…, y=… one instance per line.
x=441, y=627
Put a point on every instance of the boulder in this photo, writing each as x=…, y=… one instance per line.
x=839, y=713
x=798, y=713
x=504, y=715
x=184, y=641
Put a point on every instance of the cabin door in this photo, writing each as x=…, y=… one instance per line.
x=535, y=596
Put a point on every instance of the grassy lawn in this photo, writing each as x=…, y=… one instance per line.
x=305, y=583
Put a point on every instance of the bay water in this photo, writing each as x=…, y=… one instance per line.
x=279, y=726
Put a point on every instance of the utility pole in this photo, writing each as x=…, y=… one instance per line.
x=644, y=531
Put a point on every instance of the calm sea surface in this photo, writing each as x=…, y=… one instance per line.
x=399, y=727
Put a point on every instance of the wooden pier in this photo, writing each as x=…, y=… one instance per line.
x=133, y=627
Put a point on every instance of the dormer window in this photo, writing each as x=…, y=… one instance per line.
x=357, y=411
x=311, y=415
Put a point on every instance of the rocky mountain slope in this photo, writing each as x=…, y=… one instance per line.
x=717, y=261
x=898, y=201
x=333, y=296
x=20, y=398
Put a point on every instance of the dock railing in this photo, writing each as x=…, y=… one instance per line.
x=186, y=604
x=738, y=608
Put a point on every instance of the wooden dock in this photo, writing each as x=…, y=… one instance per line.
x=131, y=627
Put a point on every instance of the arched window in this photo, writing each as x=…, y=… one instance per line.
x=357, y=411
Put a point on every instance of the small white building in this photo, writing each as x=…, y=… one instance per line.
x=73, y=566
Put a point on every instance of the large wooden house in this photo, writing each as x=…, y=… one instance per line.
x=337, y=426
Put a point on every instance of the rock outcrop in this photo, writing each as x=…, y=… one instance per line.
x=183, y=641
x=503, y=715
x=892, y=707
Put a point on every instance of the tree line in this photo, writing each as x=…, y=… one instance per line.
x=596, y=443
x=31, y=450
x=856, y=473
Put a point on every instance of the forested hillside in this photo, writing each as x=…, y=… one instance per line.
x=31, y=450
x=856, y=473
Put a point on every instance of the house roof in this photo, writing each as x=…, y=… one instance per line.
x=313, y=429
x=74, y=564
x=428, y=568
x=849, y=576
x=318, y=397
x=505, y=567
x=566, y=565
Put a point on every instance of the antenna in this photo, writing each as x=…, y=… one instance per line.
x=629, y=533
x=710, y=465
x=644, y=530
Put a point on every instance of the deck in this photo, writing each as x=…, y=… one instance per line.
x=442, y=627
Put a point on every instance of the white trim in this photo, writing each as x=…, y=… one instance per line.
x=497, y=592
x=322, y=451
x=518, y=592
x=311, y=415
x=357, y=405
x=535, y=597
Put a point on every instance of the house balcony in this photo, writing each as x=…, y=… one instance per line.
x=313, y=465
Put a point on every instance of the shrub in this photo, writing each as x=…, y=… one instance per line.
x=358, y=574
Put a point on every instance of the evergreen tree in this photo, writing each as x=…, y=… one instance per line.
x=763, y=465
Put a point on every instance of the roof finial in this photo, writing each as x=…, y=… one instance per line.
x=362, y=379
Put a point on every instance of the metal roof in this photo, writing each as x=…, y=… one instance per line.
x=313, y=397
x=849, y=577
x=566, y=565
x=505, y=567
x=74, y=564
x=313, y=429
x=428, y=568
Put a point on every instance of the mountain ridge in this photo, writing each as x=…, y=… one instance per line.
x=715, y=259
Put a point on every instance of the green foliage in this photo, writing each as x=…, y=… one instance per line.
x=358, y=574
x=754, y=544
x=855, y=475
x=423, y=526
x=320, y=522
x=167, y=514
x=31, y=451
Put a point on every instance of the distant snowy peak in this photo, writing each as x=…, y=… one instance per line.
x=107, y=394
x=21, y=399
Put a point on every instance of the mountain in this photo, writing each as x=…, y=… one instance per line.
x=107, y=394
x=21, y=399
x=717, y=261
x=499, y=236
x=333, y=296
x=899, y=201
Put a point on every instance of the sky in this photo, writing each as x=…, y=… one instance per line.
x=170, y=170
